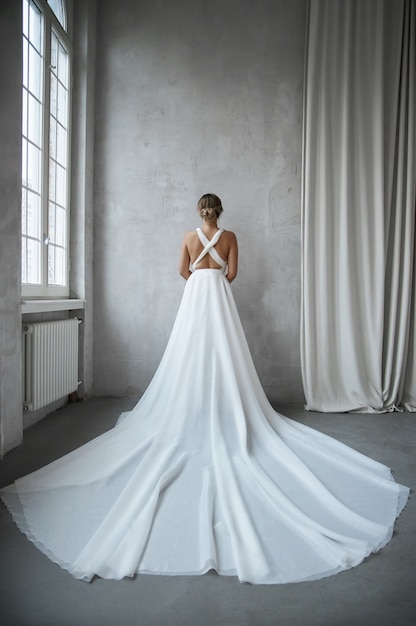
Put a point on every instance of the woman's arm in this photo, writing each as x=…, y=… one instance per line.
x=185, y=259
x=232, y=258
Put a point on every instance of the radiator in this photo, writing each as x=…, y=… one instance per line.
x=50, y=362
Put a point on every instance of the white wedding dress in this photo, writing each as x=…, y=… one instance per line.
x=204, y=474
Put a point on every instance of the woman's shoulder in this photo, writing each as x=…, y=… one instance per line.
x=229, y=235
x=191, y=234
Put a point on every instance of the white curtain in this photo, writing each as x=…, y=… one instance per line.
x=358, y=344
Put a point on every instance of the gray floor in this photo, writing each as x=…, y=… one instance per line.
x=379, y=592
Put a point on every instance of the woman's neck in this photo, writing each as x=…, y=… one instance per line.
x=209, y=227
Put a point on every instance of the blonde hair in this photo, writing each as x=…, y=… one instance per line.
x=209, y=207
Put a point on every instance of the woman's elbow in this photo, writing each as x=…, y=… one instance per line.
x=185, y=273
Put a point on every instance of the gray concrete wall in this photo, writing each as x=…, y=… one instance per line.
x=11, y=424
x=82, y=178
x=196, y=96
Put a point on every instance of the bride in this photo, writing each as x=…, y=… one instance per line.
x=203, y=473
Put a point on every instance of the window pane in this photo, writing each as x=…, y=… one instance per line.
x=35, y=121
x=56, y=265
x=62, y=107
x=61, y=145
x=51, y=265
x=33, y=215
x=25, y=62
x=26, y=18
x=51, y=221
x=33, y=168
x=63, y=65
x=52, y=138
x=24, y=211
x=33, y=261
x=35, y=73
x=60, y=226
x=24, y=161
x=60, y=186
x=24, y=260
x=52, y=180
x=54, y=98
x=58, y=7
x=35, y=26
x=24, y=112
x=54, y=52
x=60, y=267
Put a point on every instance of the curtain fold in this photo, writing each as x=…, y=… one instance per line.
x=358, y=207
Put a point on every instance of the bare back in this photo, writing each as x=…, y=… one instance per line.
x=226, y=248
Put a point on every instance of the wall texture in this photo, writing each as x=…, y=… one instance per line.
x=11, y=423
x=82, y=175
x=194, y=97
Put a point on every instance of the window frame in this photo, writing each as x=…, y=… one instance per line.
x=51, y=25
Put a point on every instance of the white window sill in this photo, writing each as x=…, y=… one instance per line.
x=43, y=306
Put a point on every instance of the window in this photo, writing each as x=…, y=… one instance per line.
x=45, y=149
x=58, y=7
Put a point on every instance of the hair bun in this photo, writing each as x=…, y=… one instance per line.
x=209, y=207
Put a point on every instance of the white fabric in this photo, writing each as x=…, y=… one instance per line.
x=358, y=233
x=209, y=248
x=203, y=473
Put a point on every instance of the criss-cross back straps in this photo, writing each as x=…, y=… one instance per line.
x=209, y=248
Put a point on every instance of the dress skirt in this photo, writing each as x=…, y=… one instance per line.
x=204, y=474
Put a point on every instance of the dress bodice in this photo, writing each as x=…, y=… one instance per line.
x=209, y=249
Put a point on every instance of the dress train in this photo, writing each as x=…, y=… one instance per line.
x=204, y=474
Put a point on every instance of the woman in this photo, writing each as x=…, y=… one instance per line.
x=203, y=473
x=210, y=209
